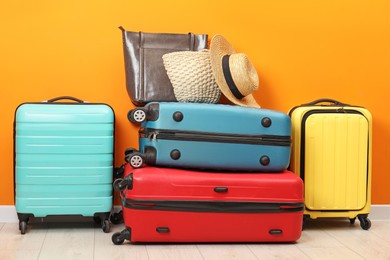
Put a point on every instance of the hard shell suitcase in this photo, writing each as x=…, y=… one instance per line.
x=211, y=136
x=331, y=151
x=63, y=160
x=178, y=205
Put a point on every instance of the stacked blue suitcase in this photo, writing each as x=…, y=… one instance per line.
x=64, y=160
x=211, y=136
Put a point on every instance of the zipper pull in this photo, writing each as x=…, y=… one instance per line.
x=150, y=135
x=153, y=136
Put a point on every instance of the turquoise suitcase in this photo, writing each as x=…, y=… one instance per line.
x=64, y=158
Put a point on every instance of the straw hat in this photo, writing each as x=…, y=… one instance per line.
x=191, y=76
x=235, y=74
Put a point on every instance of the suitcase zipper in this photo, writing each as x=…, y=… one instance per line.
x=214, y=206
x=303, y=130
x=163, y=134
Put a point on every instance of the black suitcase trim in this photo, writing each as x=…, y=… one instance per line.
x=213, y=206
x=303, y=131
x=197, y=136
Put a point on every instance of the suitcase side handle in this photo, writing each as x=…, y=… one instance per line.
x=162, y=229
x=332, y=102
x=64, y=97
x=221, y=189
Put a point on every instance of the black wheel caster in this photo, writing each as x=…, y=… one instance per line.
x=352, y=221
x=106, y=226
x=121, y=184
x=117, y=185
x=119, y=237
x=365, y=223
x=23, y=227
x=116, y=218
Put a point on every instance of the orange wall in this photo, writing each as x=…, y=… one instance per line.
x=302, y=50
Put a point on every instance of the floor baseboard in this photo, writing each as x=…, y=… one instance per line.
x=8, y=214
x=378, y=212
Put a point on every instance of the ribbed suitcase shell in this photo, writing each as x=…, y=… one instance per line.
x=63, y=159
x=260, y=126
x=279, y=219
x=331, y=151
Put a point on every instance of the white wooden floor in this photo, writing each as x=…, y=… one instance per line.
x=321, y=239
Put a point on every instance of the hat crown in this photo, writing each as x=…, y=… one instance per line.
x=243, y=73
x=234, y=73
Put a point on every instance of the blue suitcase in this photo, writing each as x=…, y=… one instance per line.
x=211, y=136
x=64, y=160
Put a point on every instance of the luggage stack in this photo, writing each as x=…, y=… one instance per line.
x=196, y=173
x=208, y=172
x=201, y=166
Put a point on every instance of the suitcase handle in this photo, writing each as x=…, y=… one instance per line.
x=325, y=100
x=64, y=97
x=162, y=229
x=221, y=189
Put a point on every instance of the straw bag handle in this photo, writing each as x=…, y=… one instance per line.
x=64, y=97
x=332, y=102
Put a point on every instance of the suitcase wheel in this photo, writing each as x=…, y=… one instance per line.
x=106, y=226
x=119, y=237
x=137, y=115
x=136, y=160
x=117, y=185
x=352, y=220
x=365, y=223
x=23, y=227
x=120, y=185
x=117, y=218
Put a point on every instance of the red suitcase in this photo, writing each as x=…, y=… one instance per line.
x=177, y=205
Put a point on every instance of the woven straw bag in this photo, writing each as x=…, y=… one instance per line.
x=191, y=76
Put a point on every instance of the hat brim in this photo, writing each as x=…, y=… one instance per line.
x=220, y=47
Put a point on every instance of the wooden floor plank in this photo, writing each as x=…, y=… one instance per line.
x=173, y=252
x=69, y=241
x=11, y=239
x=226, y=252
x=105, y=249
x=277, y=251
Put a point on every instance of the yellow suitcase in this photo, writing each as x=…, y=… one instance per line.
x=331, y=152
